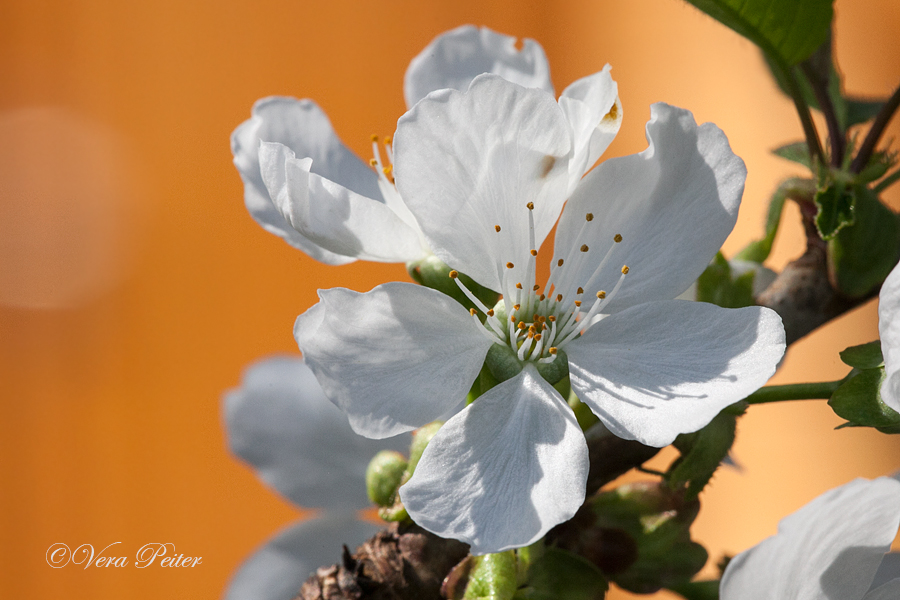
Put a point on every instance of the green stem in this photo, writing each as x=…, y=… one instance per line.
x=809, y=128
x=796, y=391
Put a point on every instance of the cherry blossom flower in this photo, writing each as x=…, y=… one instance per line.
x=834, y=547
x=331, y=205
x=889, y=331
x=280, y=423
x=485, y=173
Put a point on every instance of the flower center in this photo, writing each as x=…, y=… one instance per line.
x=536, y=325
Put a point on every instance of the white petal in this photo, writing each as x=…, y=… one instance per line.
x=305, y=129
x=830, y=548
x=888, y=591
x=278, y=569
x=889, y=329
x=504, y=471
x=674, y=204
x=456, y=57
x=466, y=162
x=393, y=359
x=280, y=422
x=594, y=112
x=331, y=215
x=663, y=368
x=888, y=570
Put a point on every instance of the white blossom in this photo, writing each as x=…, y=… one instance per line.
x=889, y=330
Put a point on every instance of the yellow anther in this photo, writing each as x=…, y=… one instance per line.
x=512, y=319
x=535, y=318
x=535, y=288
x=559, y=263
x=625, y=269
x=601, y=294
x=580, y=290
x=519, y=286
x=530, y=335
x=542, y=297
x=552, y=319
x=544, y=326
x=617, y=238
x=388, y=140
x=552, y=350
x=584, y=248
x=509, y=265
x=530, y=205
x=517, y=306
x=387, y=170
x=522, y=325
x=497, y=228
x=541, y=318
x=490, y=312
x=472, y=311
x=558, y=299
x=537, y=337
x=534, y=252
x=578, y=303
x=373, y=162
x=454, y=274
x=589, y=217
x=374, y=137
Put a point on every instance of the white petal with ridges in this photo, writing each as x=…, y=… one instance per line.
x=660, y=369
x=504, y=471
x=674, y=204
x=889, y=330
x=393, y=359
x=280, y=422
x=592, y=107
x=456, y=57
x=830, y=548
x=467, y=162
x=304, y=128
x=333, y=216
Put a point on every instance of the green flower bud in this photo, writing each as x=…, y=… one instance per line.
x=384, y=476
x=431, y=272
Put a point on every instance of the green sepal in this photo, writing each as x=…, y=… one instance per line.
x=879, y=164
x=420, y=439
x=698, y=590
x=862, y=255
x=836, y=209
x=431, y=272
x=759, y=250
x=504, y=364
x=859, y=401
x=864, y=356
x=492, y=577
x=703, y=451
x=797, y=152
x=583, y=413
x=717, y=286
x=790, y=31
x=384, y=476
x=560, y=575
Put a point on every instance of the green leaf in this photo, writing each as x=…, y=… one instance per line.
x=790, y=31
x=493, y=577
x=797, y=152
x=716, y=285
x=698, y=590
x=561, y=575
x=702, y=452
x=860, y=110
x=864, y=356
x=836, y=210
x=863, y=254
x=859, y=401
x=759, y=250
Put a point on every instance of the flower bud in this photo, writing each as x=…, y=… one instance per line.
x=384, y=476
x=431, y=272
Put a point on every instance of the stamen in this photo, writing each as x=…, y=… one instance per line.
x=519, y=286
x=601, y=294
x=596, y=273
x=374, y=137
x=553, y=350
x=534, y=252
x=589, y=217
x=552, y=318
x=625, y=269
x=522, y=325
x=497, y=228
x=560, y=262
x=617, y=238
x=509, y=265
x=490, y=313
x=542, y=297
x=535, y=288
x=537, y=337
x=388, y=141
x=517, y=306
x=559, y=298
x=473, y=312
x=580, y=291
x=454, y=274
x=530, y=205
x=584, y=248
x=578, y=303
x=373, y=162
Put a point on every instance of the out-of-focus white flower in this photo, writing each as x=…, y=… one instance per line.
x=830, y=549
x=486, y=174
x=889, y=330
x=330, y=204
x=280, y=423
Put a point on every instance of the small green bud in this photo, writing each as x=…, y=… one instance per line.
x=420, y=439
x=384, y=475
x=431, y=272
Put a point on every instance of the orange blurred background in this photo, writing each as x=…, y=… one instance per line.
x=134, y=287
